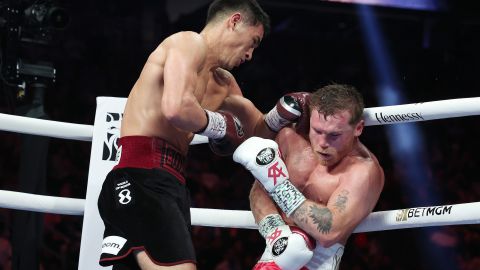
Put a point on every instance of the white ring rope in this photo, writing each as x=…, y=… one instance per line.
x=41, y=203
x=424, y=111
x=373, y=116
x=56, y=129
x=468, y=213
x=455, y=214
x=43, y=127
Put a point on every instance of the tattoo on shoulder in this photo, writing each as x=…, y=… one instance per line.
x=300, y=215
x=341, y=201
x=322, y=217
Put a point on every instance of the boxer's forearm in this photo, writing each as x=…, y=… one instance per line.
x=262, y=130
x=319, y=222
x=249, y=115
x=261, y=203
x=186, y=114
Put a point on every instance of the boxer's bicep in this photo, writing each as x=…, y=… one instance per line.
x=249, y=115
x=284, y=138
x=355, y=197
x=180, y=75
x=179, y=105
x=348, y=205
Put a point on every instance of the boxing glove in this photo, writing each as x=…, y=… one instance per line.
x=262, y=158
x=287, y=247
x=288, y=109
x=266, y=262
x=224, y=131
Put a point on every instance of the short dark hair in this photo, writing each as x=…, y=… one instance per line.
x=333, y=98
x=252, y=11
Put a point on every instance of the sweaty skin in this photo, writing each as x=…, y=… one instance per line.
x=185, y=74
x=176, y=83
x=339, y=195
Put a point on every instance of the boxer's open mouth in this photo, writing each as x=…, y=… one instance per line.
x=324, y=155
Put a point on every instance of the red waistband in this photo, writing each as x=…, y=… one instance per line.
x=151, y=152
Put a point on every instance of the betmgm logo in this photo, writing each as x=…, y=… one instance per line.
x=405, y=214
x=110, y=144
x=402, y=215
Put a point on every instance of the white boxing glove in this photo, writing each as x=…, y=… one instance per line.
x=262, y=158
x=288, y=247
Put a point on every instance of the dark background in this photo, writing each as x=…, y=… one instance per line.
x=433, y=55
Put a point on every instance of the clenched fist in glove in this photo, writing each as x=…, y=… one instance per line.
x=224, y=131
x=262, y=158
x=287, y=247
x=288, y=109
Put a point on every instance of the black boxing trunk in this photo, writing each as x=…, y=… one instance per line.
x=145, y=205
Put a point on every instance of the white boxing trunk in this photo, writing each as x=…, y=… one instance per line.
x=326, y=258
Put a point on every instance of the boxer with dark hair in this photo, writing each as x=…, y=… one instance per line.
x=183, y=89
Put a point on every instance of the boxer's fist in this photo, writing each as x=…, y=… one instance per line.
x=287, y=247
x=224, y=131
x=262, y=158
x=291, y=248
x=234, y=136
x=288, y=109
x=266, y=262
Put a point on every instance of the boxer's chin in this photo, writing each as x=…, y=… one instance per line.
x=327, y=160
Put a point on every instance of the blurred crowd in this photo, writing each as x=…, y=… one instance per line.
x=105, y=46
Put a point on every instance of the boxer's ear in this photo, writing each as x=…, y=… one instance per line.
x=234, y=20
x=359, y=128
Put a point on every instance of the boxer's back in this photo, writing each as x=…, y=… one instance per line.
x=143, y=115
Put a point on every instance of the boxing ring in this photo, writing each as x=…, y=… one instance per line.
x=104, y=135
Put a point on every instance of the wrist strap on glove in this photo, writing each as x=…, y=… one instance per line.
x=269, y=223
x=216, y=126
x=287, y=197
x=274, y=121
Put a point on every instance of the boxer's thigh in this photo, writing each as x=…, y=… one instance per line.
x=146, y=263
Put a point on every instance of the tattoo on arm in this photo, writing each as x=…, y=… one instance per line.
x=341, y=201
x=300, y=215
x=322, y=217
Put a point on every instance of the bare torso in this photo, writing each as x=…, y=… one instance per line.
x=314, y=180
x=143, y=116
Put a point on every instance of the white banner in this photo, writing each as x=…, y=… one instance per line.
x=106, y=131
